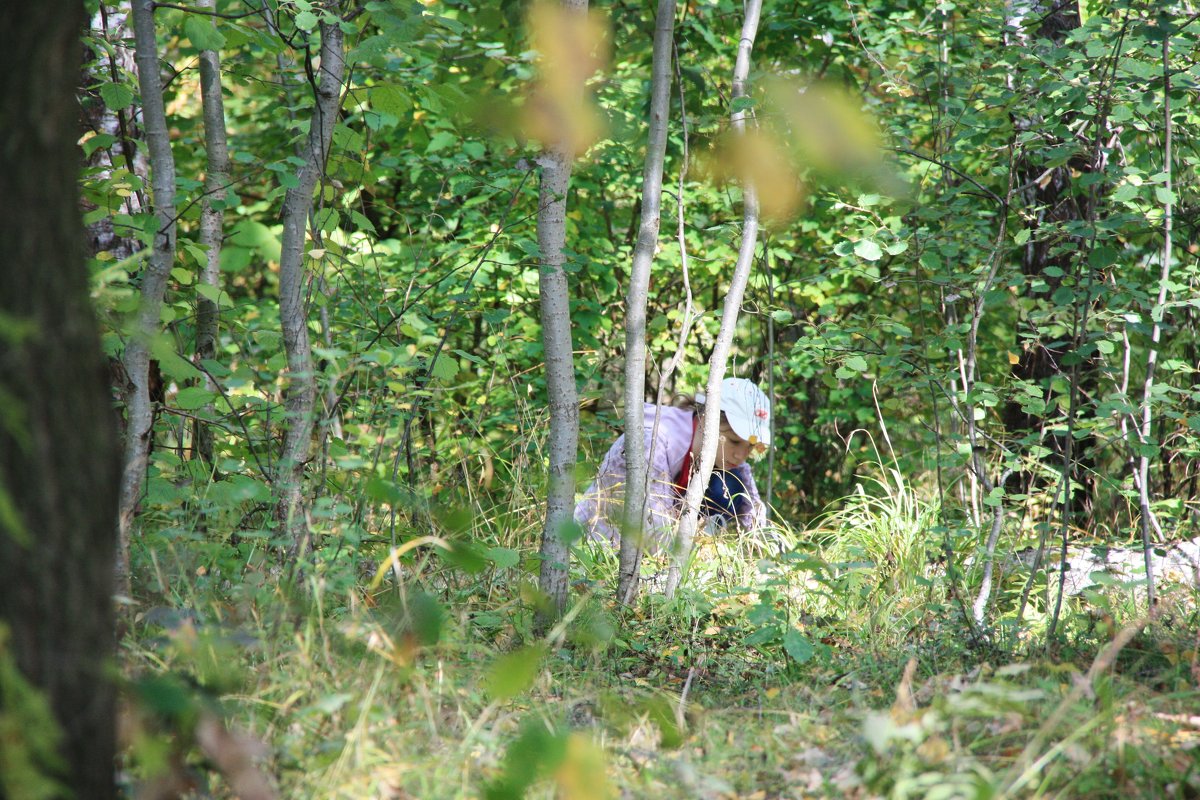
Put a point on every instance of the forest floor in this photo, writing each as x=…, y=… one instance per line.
x=732, y=690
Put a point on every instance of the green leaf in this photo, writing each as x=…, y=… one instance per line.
x=440, y=141
x=856, y=363
x=1165, y=195
x=444, y=369
x=202, y=33
x=214, y=294
x=94, y=143
x=173, y=366
x=798, y=646
x=115, y=96
x=868, y=249
x=513, y=673
x=1063, y=296
x=503, y=557
x=306, y=20
x=1022, y=236
x=741, y=104
x=193, y=397
x=391, y=100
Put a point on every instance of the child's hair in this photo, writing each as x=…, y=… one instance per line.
x=687, y=402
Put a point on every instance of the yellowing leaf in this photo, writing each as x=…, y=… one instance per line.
x=583, y=774
x=513, y=673
x=572, y=47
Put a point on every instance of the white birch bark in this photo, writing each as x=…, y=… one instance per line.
x=1156, y=332
x=113, y=24
x=636, y=458
x=300, y=394
x=733, y=304
x=211, y=223
x=563, y=441
x=139, y=412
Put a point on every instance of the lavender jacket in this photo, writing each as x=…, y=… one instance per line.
x=601, y=509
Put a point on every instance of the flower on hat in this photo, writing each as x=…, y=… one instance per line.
x=761, y=413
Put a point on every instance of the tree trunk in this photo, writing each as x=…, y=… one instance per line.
x=563, y=442
x=58, y=447
x=293, y=312
x=1164, y=283
x=139, y=410
x=211, y=225
x=111, y=24
x=635, y=306
x=729, y=314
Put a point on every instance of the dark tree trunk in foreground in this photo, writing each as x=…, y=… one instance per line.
x=58, y=455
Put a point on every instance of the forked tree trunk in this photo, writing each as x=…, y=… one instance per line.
x=636, y=457
x=139, y=410
x=563, y=441
x=301, y=390
x=59, y=464
x=211, y=225
x=733, y=303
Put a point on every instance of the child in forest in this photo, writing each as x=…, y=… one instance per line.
x=672, y=436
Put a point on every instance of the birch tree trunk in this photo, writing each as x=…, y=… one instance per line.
x=139, y=411
x=563, y=442
x=729, y=314
x=1164, y=283
x=211, y=225
x=636, y=458
x=111, y=23
x=301, y=389
x=59, y=463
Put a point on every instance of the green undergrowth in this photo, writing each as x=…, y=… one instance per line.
x=834, y=663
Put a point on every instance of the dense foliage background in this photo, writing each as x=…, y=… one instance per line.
x=973, y=304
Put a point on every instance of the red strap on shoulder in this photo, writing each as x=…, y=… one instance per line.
x=685, y=471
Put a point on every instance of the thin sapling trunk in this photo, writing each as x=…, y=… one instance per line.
x=301, y=391
x=211, y=227
x=553, y=290
x=733, y=303
x=139, y=410
x=636, y=457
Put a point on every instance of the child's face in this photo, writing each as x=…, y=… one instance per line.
x=732, y=450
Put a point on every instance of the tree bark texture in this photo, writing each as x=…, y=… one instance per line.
x=1157, y=314
x=293, y=311
x=636, y=457
x=554, y=293
x=59, y=465
x=729, y=314
x=139, y=408
x=112, y=25
x=212, y=214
